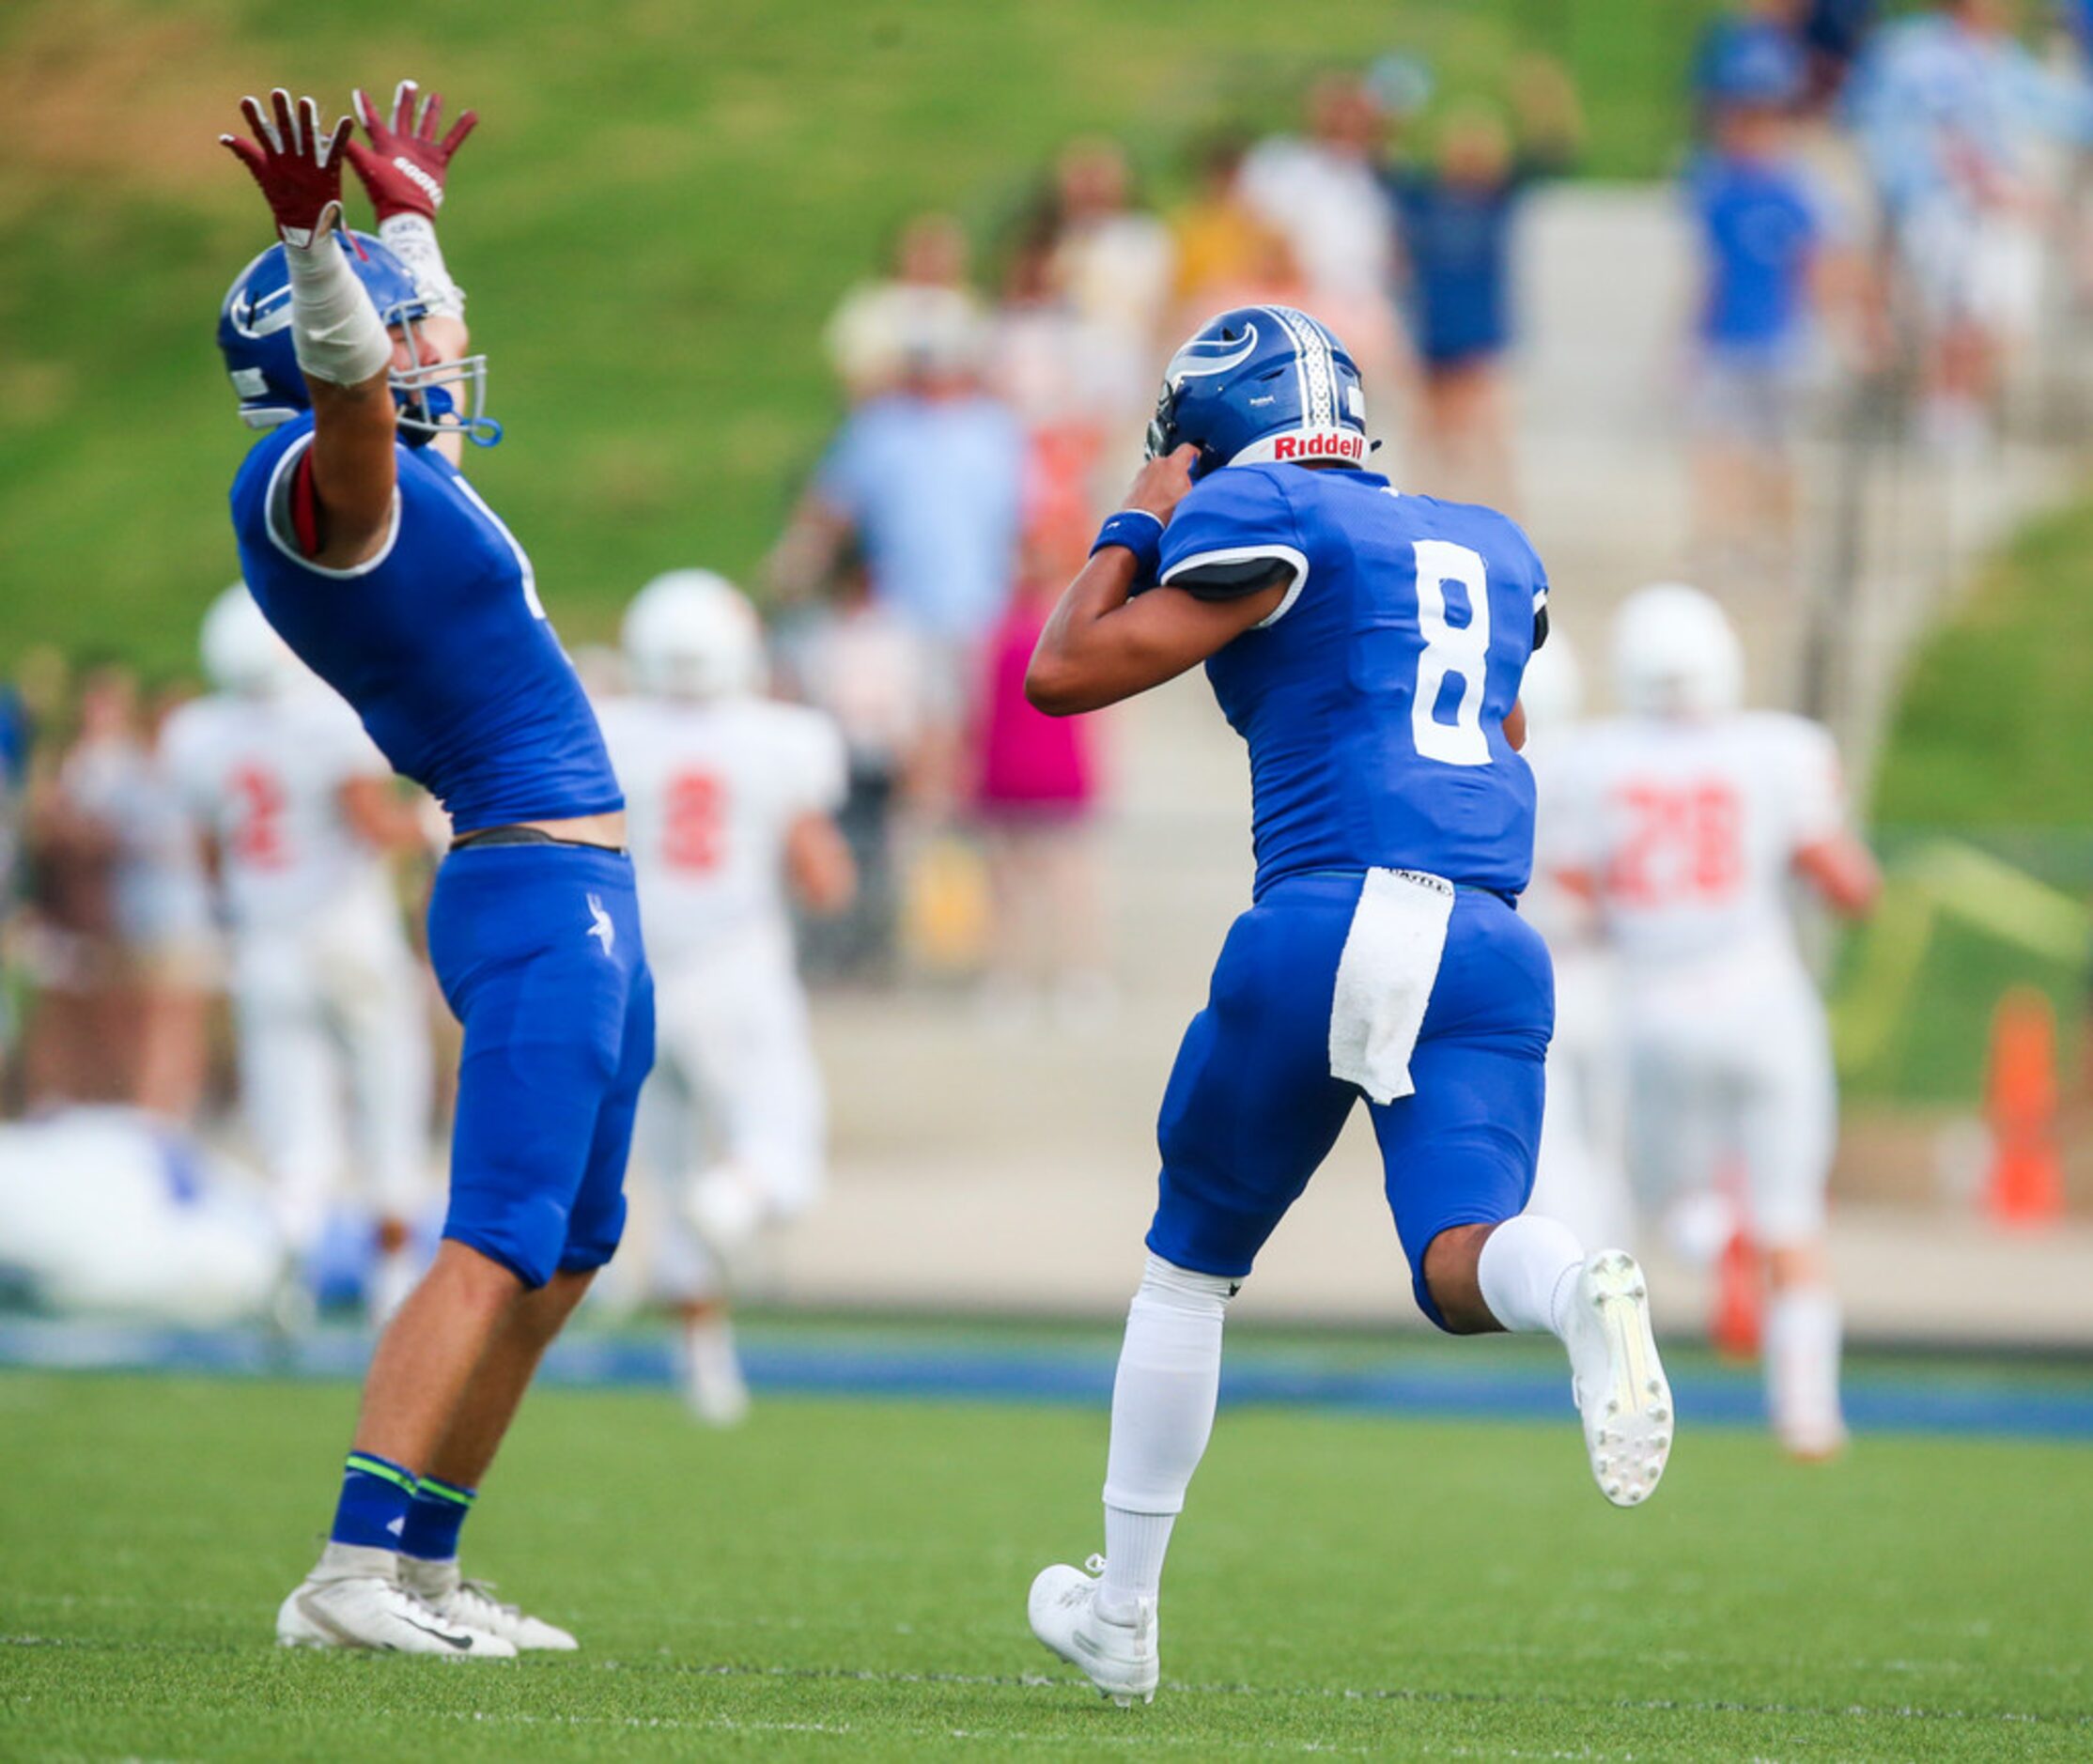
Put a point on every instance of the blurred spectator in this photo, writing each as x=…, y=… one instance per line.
x=1323, y=193
x=69, y=946
x=1457, y=218
x=1048, y=368
x=1036, y=792
x=880, y=326
x=17, y=741
x=928, y=481
x=1834, y=33
x=1765, y=233
x=125, y=955
x=164, y=917
x=1228, y=254
x=1114, y=263
x=862, y=663
x=1755, y=49
x=1950, y=109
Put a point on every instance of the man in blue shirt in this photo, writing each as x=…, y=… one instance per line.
x=1456, y=219
x=1764, y=244
x=372, y=555
x=928, y=481
x=1369, y=647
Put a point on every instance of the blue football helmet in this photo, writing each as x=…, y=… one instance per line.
x=254, y=335
x=1261, y=382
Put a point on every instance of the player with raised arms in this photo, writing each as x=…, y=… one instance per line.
x=390, y=578
x=1369, y=647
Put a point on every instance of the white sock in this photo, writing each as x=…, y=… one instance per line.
x=1529, y=1274
x=1801, y=1350
x=1163, y=1399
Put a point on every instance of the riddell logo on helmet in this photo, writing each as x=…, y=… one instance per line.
x=1330, y=443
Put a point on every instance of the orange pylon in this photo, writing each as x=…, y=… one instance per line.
x=1736, y=1326
x=2026, y=1185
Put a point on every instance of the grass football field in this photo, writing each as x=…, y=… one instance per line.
x=846, y=1579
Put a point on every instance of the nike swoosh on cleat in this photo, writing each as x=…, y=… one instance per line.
x=462, y=1643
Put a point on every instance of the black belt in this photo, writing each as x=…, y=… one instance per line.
x=529, y=836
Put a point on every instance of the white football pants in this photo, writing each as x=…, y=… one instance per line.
x=735, y=1083
x=334, y=1065
x=1734, y=1070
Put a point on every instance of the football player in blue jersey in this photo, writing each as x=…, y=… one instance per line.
x=1368, y=646
x=385, y=570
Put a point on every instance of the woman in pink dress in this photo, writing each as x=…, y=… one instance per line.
x=1036, y=793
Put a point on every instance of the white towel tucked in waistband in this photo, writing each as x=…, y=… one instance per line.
x=1384, y=979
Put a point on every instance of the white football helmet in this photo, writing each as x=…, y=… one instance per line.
x=692, y=634
x=1675, y=653
x=241, y=652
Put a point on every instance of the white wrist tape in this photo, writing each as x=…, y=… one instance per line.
x=333, y=325
x=412, y=240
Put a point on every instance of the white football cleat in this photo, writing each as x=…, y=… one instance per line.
x=472, y=1604
x=1817, y=1440
x=355, y=1599
x=1119, y=1657
x=1617, y=1380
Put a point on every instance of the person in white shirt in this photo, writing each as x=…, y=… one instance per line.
x=730, y=797
x=1581, y=1178
x=1686, y=820
x=1323, y=193
x=328, y=1001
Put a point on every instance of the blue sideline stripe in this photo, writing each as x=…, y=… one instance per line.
x=1875, y=1403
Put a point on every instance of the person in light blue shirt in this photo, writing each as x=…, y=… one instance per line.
x=929, y=483
x=1949, y=108
x=926, y=482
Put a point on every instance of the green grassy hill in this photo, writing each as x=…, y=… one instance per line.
x=1984, y=748
x=660, y=208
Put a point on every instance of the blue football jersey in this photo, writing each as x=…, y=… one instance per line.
x=1374, y=699
x=439, y=642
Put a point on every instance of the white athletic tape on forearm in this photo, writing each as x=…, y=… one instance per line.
x=413, y=238
x=336, y=330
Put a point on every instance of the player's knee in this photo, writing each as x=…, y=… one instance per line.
x=521, y=1230
x=474, y=1277
x=1166, y=1286
x=1796, y=1262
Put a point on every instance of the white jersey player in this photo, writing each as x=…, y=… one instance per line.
x=327, y=998
x=729, y=799
x=1686, y=820
x=1580, y=1179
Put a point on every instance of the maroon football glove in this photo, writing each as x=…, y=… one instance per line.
x=404, y=167
x=298, y=167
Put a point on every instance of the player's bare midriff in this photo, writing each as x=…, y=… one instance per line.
x=607, y=831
